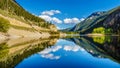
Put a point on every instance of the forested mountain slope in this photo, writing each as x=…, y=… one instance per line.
x=99, y=22
x=16, y=21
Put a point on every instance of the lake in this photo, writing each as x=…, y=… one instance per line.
x=70, y=52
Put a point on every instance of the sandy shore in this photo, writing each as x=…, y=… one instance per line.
x=15, y=34
x=3, y=38
x=96, y=34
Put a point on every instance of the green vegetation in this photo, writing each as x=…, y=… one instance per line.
x=3, y=50
x=102, y=30
x=13, y=8
x=4, y=25
x=10, y=60
x=99, y=30
x=23, y=28
x=99, y=40
x=108, y=31
x=102, y=39
x=71, y=32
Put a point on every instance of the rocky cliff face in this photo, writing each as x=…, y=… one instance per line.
x=87, y=23
x=113, y=21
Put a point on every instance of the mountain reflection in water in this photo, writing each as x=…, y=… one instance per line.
x=14, y=51
x=101, y=47
x=72, y=52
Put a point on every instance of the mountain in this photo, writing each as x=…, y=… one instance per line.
x=109, y=48
x=16, y=21
x=86, y=23
x=13, y=8
x=95, y=14
x=88, y=46
x=109, y=21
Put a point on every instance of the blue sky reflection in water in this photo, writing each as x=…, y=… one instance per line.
x=66, y=54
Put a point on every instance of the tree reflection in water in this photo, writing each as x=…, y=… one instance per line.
x=101, y=47
x=12, y=53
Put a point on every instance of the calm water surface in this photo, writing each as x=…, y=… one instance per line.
x=78, y=52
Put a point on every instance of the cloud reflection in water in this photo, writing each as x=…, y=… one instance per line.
x=49, y=52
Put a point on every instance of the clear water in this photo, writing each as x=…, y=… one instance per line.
x=80, y=52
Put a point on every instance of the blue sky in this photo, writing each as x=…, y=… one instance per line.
x=66, y=13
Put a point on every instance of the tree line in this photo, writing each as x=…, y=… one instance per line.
x=14, y=8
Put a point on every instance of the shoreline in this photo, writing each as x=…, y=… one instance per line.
x=95, y=34
x=101, y=35
x=33, y=35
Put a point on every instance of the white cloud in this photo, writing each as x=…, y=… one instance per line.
x=51, y=12
x=54, y=19
x=82, y=19
x=46, y=17
x=54, y=49
x=47, y=52
x=67, y=48
x=49, y=16
x=51, y=19
x=73, y=48
x=76, y=48
x=50, y=56
x=60, y=28
x=73, y=20
x=67, y=20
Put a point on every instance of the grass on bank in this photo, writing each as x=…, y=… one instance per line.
x=4, y=25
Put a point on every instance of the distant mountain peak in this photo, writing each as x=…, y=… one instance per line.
x=96, y=14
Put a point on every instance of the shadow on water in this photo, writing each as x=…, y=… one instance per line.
x=101, y=47
x=14, y=51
